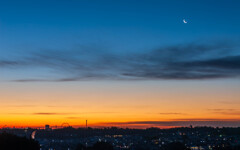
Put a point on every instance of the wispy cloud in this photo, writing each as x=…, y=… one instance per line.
x=7, y=63
x=74, y=117
x=186, y=122
x=50, y=113
x=60, y=113
x=188, y=61
x=40, y=113
x=27, y=106
x=20, y=106
x=172, y=113
x=229, y=102
x=226, y=111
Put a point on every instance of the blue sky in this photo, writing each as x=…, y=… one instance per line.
x=100, y=28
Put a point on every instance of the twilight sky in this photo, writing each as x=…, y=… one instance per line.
x=122, y=63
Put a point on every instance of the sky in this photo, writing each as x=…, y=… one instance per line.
x=125, y=63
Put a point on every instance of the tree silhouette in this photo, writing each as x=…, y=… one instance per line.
x=102, y=146
x=13, y=142
x=81, y=147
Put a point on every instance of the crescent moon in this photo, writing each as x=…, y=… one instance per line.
x=184, y=21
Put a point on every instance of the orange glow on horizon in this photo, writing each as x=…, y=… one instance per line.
x=107, y=102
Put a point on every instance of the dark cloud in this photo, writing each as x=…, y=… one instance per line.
x=189, y=61
x=57, y=113
x=40, y=113
x=171, y=113
x=226, y=111
x=46, y=113
x=204, y=119
x=54, y=113
x=74, y=118
x=4, y=63
x=201, y=122
x=31, y=80
x=229, y=62
x=106, y=112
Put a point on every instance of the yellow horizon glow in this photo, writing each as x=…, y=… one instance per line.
x=37, y=104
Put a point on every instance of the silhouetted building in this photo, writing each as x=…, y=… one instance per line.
x=47, y=127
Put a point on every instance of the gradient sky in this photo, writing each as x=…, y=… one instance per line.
x=125, y=63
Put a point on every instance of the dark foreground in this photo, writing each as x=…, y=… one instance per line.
x=198, y=138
